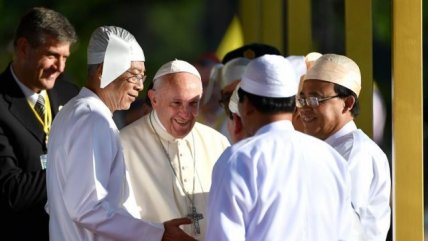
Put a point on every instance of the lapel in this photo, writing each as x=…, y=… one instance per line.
x=18, y=106
x=54, y=101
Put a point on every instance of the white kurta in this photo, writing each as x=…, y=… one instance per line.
x=86, y=182
x=279, y=185
x=370, y=178
x=158, y=192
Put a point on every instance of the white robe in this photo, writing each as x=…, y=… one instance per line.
x=370, y=178
x=279, y=185
x=158, y=192
x=86, y=182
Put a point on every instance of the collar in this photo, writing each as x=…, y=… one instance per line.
x=29, y=94
x=87, y=93
x=275, y=126
x=346, y=129
x=161, y=130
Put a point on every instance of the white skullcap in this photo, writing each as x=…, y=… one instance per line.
x=299, y=64
x=311, y=58
x=233, y=70
x=176, y=66
x=270, y=76
x=116, y=48
x=336, y=69
x=233, y=102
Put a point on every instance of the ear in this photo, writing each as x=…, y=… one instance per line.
x=246, y=107
x=237, y=123
x=152, y=96
x=22, y=47
x=349, y=103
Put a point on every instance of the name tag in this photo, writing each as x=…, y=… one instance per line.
x=44, y=161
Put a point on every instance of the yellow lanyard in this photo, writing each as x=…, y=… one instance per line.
x=47, y=118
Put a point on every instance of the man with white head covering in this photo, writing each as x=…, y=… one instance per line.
x=231, y=73
x=169, y=156
x=234, y=122
x=86, y=182
x=328, y=104
x=277, y=184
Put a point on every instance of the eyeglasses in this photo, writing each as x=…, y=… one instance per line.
x=312, y=101
x=136, y=78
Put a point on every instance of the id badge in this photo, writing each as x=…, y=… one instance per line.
x=44, y=161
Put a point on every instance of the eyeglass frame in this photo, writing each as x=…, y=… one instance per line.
x=316, y=100
x=135, y=78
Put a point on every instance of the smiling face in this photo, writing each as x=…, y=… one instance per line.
x=176, y=101
x=330, y=116
x=39, y=67
x=124, y=90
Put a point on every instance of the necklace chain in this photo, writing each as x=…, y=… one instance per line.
x=172, y=168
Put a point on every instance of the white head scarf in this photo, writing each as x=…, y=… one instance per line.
x=234, y=99
x=116, y=48
x=270, y=76
x=336, y=69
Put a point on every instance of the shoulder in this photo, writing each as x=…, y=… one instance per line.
x=136, y=126
x=208, y=132
x=363, y=147
x=65, y=89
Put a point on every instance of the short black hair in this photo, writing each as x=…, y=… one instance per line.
x=342, y=91
x=269, y=105
x=250, y=51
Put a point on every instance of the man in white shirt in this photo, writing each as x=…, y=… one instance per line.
x=277, y=184
x=328, y=104
x=86, y=182
x=169, y=156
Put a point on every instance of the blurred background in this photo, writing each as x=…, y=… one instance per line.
x=194, y=29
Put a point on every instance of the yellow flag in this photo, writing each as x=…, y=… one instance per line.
x=232, y=39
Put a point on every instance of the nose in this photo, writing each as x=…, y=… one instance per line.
x=139, y=85
x=60, y=64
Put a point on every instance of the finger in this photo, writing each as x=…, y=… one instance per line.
x=180, y=221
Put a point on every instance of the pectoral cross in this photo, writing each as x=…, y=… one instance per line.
x=195, y=216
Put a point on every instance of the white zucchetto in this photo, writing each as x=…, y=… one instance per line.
x=336, y=69
x=115, y=47
x=176, y=66
x=270, y=76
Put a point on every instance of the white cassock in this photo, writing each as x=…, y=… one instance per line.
x=86, y=182
x=279, y=185
x=370, y=179
x=160, y=166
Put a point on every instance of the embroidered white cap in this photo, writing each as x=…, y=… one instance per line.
x=270, y=76
x=311, y=58
x=299, y=64
x=176, y=66
x=233, y=70
x=115, y=47
x=336, y=69
x=234, y=99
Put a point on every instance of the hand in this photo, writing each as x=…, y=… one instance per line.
x=173, y=232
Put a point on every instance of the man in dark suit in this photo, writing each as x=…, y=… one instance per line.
x=42, y=44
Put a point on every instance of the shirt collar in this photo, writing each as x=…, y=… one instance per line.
x=347, y=128
x=276, y=125
x=29, y=94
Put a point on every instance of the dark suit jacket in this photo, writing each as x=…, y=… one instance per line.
x=22, y=180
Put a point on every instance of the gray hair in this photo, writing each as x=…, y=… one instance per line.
x=40, y=22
